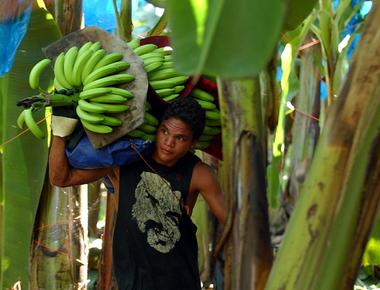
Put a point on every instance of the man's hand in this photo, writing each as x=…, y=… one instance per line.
x=64, y=121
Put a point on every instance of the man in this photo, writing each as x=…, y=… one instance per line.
x=154, y=243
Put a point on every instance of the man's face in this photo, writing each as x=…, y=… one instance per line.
x=174, y=139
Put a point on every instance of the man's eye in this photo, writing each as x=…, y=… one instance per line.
x=164, y=131
x=180, y=138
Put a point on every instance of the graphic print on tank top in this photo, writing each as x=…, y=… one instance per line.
x=157, y=211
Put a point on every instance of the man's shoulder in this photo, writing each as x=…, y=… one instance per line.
x=191, y=158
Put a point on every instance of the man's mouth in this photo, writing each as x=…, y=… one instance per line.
x=166, y=151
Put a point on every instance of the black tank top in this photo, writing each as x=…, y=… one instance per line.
x=155, y=246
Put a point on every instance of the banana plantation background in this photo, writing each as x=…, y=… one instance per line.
x=299, y=92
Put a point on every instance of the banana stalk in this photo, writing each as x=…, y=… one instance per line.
x=248, y=245
x=124, y=19
x=306, y=129
x=160, y=25
x=339, y=197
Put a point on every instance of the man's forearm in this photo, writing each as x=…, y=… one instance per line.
x=59, y=169
x=62, y=174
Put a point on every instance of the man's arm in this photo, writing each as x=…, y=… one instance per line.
x=60, y=172
x=205, y=181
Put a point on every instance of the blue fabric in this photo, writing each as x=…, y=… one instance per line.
x=12, y=32
x=120, y=152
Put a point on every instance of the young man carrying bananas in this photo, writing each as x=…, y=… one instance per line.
x=154, y=244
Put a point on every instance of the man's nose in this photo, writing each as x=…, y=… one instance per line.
x=169, y=141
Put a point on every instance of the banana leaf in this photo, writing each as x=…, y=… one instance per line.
x=24, y=159
x=330, y=225
x=296, y=12
x=225, y=38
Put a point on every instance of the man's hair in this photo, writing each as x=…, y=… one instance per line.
x=189, y=111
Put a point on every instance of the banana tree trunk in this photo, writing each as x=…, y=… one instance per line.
x=68, y=15
x=305, y=128
x=94, y=196
x=60, y=252
x=58, y=261
x=248, y=252
x=327, y=232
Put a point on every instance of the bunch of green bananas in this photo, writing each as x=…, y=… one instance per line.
x=212, y=126
x=158, y=64
x=39, y=102
x=147, y=131
x=90, y=76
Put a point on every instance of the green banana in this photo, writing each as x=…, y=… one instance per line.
x=109, y=98
x=162, y=84
x=205, y=137
x=111, y=121
x=213, y=122
x=58, y=100
x=170, y=97
x=147, y=107
x=92, y=93
x=162, y=74
x=90, y=107
x=211, y=130
x=167, y=64
x=152, y=66
x=213, y=115
x=112, y=108
x=107, y=70
x=96, y=46
x=89, y=117
x=165, y=92
x=136, y=133
x=178, y=89
x=36, y=71
x=152, y=54
x=57, y=85
x=121, y=92
x=147, y=128
x=179, y=80
x=143, y=49
x=32, y=125
x=97, y=128
x=59, y=73
x=165, y=50
x=202, y=145
x=202, y=95
x=79, y=65
x=109, y=58
x=134, y=43
x=21, y=120
x=92, y=62
x=149, y=137
x=84, y=48
x=206, y=105
x=151, y=60
x=109, y=81
x=150, y=119
x=68, y=65
x=168, y=58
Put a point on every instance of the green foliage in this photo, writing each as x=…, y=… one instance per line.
x=224, y=38
x=24, y=159
x=296, y=12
